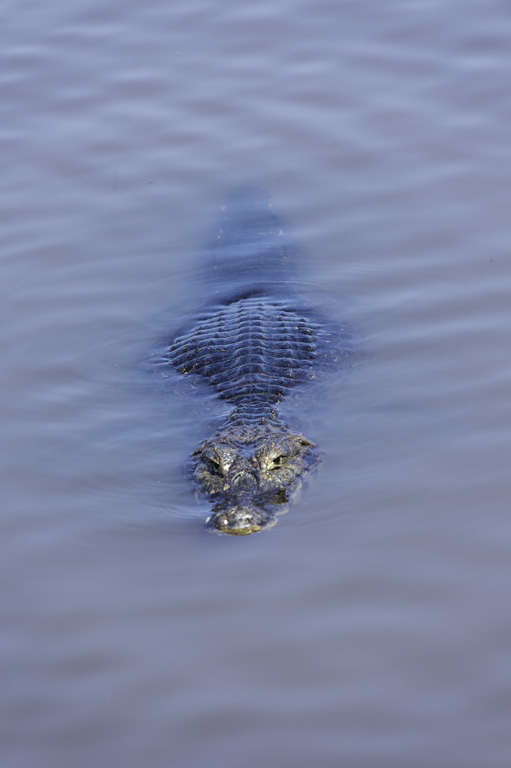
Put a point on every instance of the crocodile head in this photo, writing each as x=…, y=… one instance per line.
x=250, y=477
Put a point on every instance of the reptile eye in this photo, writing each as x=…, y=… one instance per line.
x=278, y=461
x=214, y=466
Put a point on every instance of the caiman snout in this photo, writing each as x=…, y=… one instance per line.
x=241, y=520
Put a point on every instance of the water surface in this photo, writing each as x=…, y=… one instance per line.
x=371, y=626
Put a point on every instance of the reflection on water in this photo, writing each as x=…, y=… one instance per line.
x=368, y=627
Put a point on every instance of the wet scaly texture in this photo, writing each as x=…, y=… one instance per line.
x=252, y=348
x=250, y=477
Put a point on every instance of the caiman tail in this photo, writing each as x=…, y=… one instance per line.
x=249, y=253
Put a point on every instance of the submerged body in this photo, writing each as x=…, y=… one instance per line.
x=252, y=347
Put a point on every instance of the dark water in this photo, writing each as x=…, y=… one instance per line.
x=372, y=626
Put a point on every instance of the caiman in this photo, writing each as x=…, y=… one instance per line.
x=253, y=344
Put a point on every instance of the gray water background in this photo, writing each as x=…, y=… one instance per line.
x=372, y=626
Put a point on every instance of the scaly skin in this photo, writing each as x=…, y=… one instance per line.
x=252, y=351
x=255, y=343
x=250, y=474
